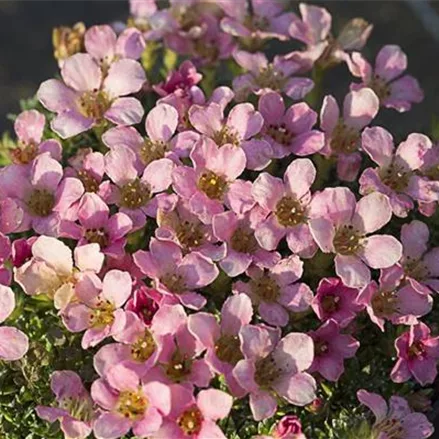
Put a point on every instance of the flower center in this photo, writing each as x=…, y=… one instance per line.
x=417, y=350
x=385, y=303
x=380, y=87
x=179, y=367
x=80, y=408
x=134, y=194
x=271, y=78
x=391, y=427
x=132, y=404
x=226, y=135
x=347, y=240
x=213, y=185
x=228, y=349
x=93, y=104
x=174, y=283
x=97, y=236
x=266, y=372
x=280, y=134
x=41, y=202
x=415, y=269
x=102, y=315
x=395, y=177
x=344, y=140
x=255, y=22
x=330, y=303
x=320, y=347
x=433, y=172
x=191, y=421
x=151, y=151
x=24, y=153
x=89, y=182
x=289, y=212
x=143, y=347
x=265, y=288
x=243, y=241
x=190, y=235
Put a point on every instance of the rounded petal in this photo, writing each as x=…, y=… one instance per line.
x=214, y=404
x=55, y=253
x=372, y=213
x=13, y=344
x=116, y=287
x=81, y=73
x=125, y=76
x=381, y=251
x=299, y=177
x=360, y=107
x=7, y=302
x=161, y=122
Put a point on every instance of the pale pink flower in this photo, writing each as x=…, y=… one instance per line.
x=53, y=270
x=176, y=275
x=330, y=350
x=13, y=343
x=74, y=408
x=276, y=292
x=289, y=131
x=342, y=226
x=274, y=368
x=99, y=311
x=129, y=403
x=343, y=132
x=396, y=174
x=418, y=353
x=86, y=98
x=387, y=79
x=336, y=301
x=287, y=204
x=397, y=417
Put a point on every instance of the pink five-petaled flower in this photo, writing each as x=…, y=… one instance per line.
x=54, y=272
x=29, y=127
x=176, y=275
x=99, y=312
x=74, y=409
x=393, y=300
x=396, y=173
x=289, y=131
x=286, y=203
x=336, y=301
x=275, y=292
x=288, y=427
x=195, y=418
x=272, y=367
x=43, y=196
x=243, y=123
x=330, y=350
x=395, y=420
x=13, y=343
x=340, y=225
x=87, y=97
x=343, y=133
x=386, y=80
x=213, y=182
x=97, y=226
x=418, y=353
x=221, y=340
x=136, y=185
x=129, y=403
x=262, y=76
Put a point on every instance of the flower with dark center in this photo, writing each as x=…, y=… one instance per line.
x=152, y=150
x=228, y=349
x=94, y=104
x=330, y=303
x=97, y=236
x=417, y=350
x=41, y=202
x=174, y=283
x=143, y=347
x=395, y=177
x=385, y=303
x=226, y=135
x=265, y=288
x=280, y=134
x=289, y=212
x=89, y=182
x=24, y=153
x=102, y=315
x=271, y=78
x=347, y=240
x=344, y=139
x=266, y=372
x=380, y=87
x=191, y=421
x=213, y=185
x=190, y=235
x=134, y=194
x=132, y=404
x=243, y=241
x=179, y=367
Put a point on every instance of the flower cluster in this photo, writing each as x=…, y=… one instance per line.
x=192, y=235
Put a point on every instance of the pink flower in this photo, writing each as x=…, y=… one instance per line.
x=288, y=427
x=175, y=275
x=287, y=204
x=53, y=272
x=343, y=133
x=341, y=226
x=274, y=367
x=335, y=301
x=97, y=226
x=74, y=409
x=266, y=20
x=29, y=127
x=221, y=340
x=5, y=257
x=241, y=247
x=129, y=403
x=396, y=173
x=418, y=353
x=387, y=79
x=136, y=185
x=242, y=124
x=262, y=76
x=395, y=417
x=160, y=125
x=393, y=300
x=42, y=197
x=213, y=180
x=289, y=132
x=86, y=96
x=195, y=418
x=430, y=171
x=144, y=303
x=275, y=292
x=99, y=312
x=13, y=343
x=330, y=350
